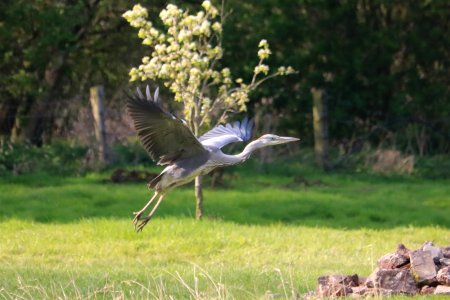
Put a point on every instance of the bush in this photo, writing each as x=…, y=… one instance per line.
x=435, y=167
x=58, y=158
x=130, y=153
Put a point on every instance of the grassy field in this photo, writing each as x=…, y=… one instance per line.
x=266, y=235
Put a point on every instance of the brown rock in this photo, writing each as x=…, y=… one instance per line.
x=422, y=267
x=436, y=252
x=402, y=250
x=360, y=290
x=347, y=280
x=361, y=280
x=427, y=290
x=442, y=290
x=396, y=281
x=443, y=276
x=446, y=252
x=392, y=261
x=379, y=292
x=333, y=290
x=336, y=285
x=444, y=261
x=365, y=292
x=342, y=291
x=121, y=175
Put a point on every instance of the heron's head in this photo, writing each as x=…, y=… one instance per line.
x=272, y=139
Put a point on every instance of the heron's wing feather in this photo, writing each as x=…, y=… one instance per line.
x=164, y=136
x=223, y=135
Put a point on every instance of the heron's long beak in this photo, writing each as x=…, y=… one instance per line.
x=287, y=139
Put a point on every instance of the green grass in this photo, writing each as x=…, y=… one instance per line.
x=264, y=235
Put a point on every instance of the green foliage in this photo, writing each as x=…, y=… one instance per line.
x=58, y=158
x=130, y=154
x=73, y=237
x=436, y=167
x=382, y=64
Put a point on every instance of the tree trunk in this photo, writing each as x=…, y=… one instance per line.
x=320, y=119
x=38, y=129
x=198, y=179
x=198, y=197
x=8, y=112
x=97, y=95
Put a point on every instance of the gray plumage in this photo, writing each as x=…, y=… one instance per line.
x=170, y=142
x=162, y=134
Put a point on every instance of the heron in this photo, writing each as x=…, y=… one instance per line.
x=169, y=142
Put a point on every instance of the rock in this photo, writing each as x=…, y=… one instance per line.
x=442, y=290
x=444, y=261
x=121, y=175
x=361, y=280
x=365, y=292
x=422, y=267
x=427, y=290
x=402, y=250
x=342, y=291
x=336, y=285
x=443, y=276
x=392, y=261
x=359, y=290
x=347, y=280
x=397, y=281
x=446, y=252
x=436, y=252
x=379, y=293
x=333, y=290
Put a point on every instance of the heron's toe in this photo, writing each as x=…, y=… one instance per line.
x=137, y=217
x=140, y=224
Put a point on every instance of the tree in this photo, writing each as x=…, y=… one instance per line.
x=55, y=50
x=186, y=56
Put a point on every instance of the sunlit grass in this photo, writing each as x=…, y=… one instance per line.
x=263, y=236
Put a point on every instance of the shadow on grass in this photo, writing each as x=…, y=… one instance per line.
x=253, y=198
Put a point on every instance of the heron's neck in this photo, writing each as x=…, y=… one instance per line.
x=248, y=150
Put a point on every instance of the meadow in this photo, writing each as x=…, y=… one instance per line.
x=269, y=232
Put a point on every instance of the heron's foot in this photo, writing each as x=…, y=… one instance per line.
x=137, y=216
x=140, y=223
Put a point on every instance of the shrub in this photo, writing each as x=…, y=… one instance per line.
x=58, y=158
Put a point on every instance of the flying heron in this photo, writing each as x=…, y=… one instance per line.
x=170, y=142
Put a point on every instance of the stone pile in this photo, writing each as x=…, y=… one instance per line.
x=407, y=272
x=121, y=175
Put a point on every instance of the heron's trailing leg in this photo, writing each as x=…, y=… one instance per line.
x=140, y=223
x=138, y=214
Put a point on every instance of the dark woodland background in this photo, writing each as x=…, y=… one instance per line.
x=382, y=66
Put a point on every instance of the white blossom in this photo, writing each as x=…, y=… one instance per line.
x=217, y=27
x=261, y=69
x=264, y=53
x=263, y=44
x=207, y=5
x=184, y=57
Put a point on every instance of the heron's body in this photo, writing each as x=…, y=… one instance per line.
x=170, y=142
x=185, y=170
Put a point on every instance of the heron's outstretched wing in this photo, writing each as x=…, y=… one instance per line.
x=223, y=135
x=164, y=136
